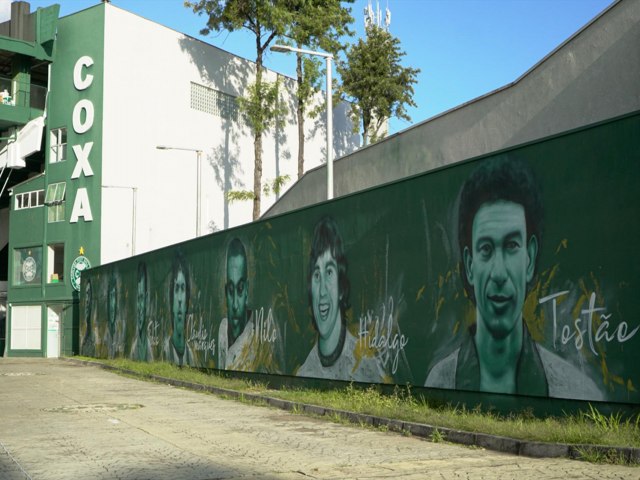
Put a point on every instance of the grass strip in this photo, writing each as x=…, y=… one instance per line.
x=588, y=428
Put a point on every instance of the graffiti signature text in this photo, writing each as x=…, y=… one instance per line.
x=379, y=331
x=583, y=325
x=199, y=338
x=265, y=328
x=153, y=333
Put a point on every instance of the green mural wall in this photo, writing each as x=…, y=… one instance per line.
x=511, y=273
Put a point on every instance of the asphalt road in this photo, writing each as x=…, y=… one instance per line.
x=60, y=420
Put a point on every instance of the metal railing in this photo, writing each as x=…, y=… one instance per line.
x=37, y=95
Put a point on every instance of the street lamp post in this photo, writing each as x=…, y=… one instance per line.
x=328, y=57
x=199, y=179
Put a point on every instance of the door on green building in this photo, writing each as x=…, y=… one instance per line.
x=54, y=316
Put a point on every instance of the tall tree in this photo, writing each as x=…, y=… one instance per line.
x=266, y=20
x=376, y=82
x=316, y=24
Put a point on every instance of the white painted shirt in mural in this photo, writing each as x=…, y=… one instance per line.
x=241, y=354
x=170, y=354
x=347, y=366
x=114, y=343
x=88, y=348
x=146, y=349
x=564, y=380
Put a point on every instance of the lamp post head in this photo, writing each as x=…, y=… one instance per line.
x=280, y=48
x=289, y=49
x=166, y=147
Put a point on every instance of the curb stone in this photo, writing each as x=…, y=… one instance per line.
x=490, y=442
x=462, y=437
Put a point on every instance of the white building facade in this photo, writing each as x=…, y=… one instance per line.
x=119, y=86
x=162, y=88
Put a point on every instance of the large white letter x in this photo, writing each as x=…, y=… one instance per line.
x=82, y=157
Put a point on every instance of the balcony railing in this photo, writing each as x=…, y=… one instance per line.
x=37, y=95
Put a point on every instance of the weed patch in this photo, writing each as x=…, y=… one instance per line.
x=436, y=436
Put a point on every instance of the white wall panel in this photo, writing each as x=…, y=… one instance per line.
x=26, y=327
x=147, y=87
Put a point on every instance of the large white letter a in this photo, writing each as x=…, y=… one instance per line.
x=81, y=207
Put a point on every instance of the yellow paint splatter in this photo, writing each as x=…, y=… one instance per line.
x=363, y=350
x=617, y=379
x=439, y=307
x=535, y=323
x=564, y=244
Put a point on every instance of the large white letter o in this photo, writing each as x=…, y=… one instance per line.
x=78, y=125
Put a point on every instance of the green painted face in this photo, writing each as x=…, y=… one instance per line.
x=87, y=304
x=499, y=265
x=325, y=297
x=113, y=300
x=236, y=291
x=141, y=304
x=179, y=311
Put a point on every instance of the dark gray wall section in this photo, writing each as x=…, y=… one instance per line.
x=593, y=76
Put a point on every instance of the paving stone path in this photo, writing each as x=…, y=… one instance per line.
x=60, y=420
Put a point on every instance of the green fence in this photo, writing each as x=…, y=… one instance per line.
x=512, y=273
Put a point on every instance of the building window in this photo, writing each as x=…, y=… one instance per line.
x=29, y=199
x=58, y=142
x=27, y=266
x=55, y=263
x=26, y=327
x=214, y=102
x=55, y=201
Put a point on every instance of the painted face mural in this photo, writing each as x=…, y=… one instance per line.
x=481, y=277
x=112, y=305
x=179, y=310
x=87, y=305
x=236, y=290
x=499, y=265
x=325, y=298
x=141, y=301
x=88, y=346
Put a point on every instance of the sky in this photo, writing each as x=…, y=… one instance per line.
x=463, y=48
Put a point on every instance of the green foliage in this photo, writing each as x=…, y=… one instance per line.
x=240, y=195
x=603, y=422
x=436, y=436
x=316, y=25
x=270, y=187
x=604, y=456
x=275, y=186
x=266, y=20
x=319, y=24
x=308, y=83
x=376, y=82
x=612, y=423
x=262, y=106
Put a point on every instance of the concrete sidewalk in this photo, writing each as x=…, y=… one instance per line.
x=60, y=420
